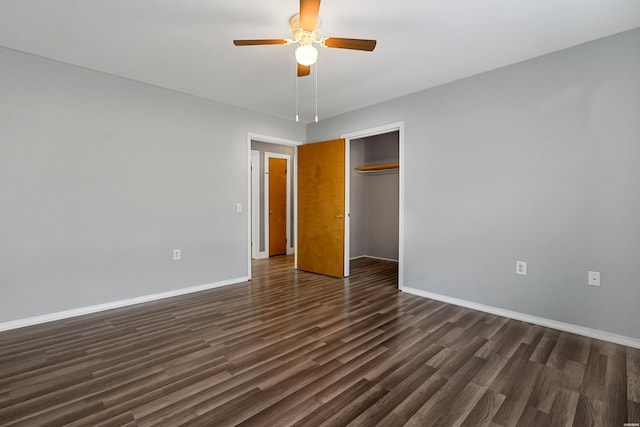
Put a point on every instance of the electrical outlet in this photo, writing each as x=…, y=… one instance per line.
x=176, y=254
x=593, y=278
x=521, y=268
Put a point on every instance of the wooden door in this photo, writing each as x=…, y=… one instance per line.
x=277, y=206
x=321, y=212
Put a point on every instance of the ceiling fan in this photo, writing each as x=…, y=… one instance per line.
x=304, y=26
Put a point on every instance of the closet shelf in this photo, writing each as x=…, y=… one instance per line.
x=378, y=168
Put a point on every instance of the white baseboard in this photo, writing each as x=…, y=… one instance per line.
x=290, y=251
x=373, y=257
x=29, y=321
x=554, y=324
x=261, y=255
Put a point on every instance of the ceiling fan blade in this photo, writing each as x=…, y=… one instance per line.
x=303, y=70
x=355, y=44
x=259, y=42
x=309, y=14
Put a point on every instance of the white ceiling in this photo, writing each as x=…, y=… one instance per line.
x=186, y=45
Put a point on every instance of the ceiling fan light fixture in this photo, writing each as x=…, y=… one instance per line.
x=306, y=55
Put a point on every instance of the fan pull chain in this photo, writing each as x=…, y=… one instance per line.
x=316, y=73
x=296, y=77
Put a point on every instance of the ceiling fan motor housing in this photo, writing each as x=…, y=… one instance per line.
x=303, y=37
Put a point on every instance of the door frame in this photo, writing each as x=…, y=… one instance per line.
x=391, y=127
x=268, y=155
x=255, y=201
x=251, y=136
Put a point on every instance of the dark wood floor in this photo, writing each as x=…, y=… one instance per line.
x=294, y=348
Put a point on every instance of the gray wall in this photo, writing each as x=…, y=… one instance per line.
x=536, y=162
x=264, y=147
x=101, y=177
x=374, y=198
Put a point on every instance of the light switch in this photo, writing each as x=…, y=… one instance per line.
x=239, y=207
x=593, y=278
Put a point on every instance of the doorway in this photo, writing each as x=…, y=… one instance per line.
x=265, y=152
x=385, y=228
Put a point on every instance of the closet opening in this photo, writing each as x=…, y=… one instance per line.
x=374, y=198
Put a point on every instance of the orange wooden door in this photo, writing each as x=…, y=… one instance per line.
x=277, y=206
x=321, y=212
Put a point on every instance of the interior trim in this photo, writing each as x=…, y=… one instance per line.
x=255, y=201
x=60, y=315
x=554, y=324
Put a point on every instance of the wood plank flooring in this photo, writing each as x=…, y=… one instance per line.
x=295, y=348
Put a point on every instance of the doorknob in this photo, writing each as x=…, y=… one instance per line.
x=339, y=216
